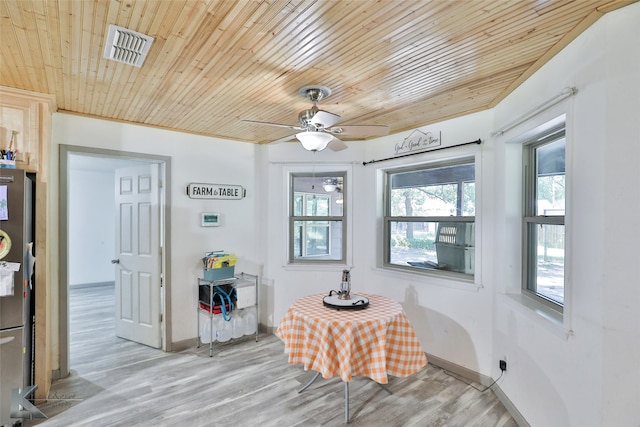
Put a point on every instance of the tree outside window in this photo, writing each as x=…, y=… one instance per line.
x=429, y=225
x=544, y=230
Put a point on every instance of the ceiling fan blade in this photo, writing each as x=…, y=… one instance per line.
x=285, y=139
x=336, y=145
x=274, y=124
x=324, y=118
x=360, y=131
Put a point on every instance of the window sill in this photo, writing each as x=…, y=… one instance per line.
x=550, y=319
x=432, y=278
x=324, y=266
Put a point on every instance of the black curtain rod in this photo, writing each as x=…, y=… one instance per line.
x=477, y=141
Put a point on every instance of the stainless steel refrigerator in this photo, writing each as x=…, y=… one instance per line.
x=16, y=303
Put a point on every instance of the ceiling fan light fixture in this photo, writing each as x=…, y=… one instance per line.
x=313, y=140
x=330, y=185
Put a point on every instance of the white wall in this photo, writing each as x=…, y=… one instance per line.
x=91, y=227
x=282, y=285
x=583, y=372
x=193, y=159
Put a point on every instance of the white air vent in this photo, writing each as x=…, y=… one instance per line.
x=127, y=46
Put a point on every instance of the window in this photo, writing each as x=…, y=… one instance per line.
x=544, y=209
x=430, y=217
x=316, y=222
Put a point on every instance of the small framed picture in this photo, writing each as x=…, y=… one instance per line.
x=210, y=219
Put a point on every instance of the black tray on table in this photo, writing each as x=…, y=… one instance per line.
x=355, y=302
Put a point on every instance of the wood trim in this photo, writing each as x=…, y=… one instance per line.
x=41, y=107
x=555, y=49
x=561, y=44
x=182, y=345
x=459, y=370
x=149, y=125
x=44, y=283
x=617, y=4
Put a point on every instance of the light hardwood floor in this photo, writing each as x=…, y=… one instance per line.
x=115, y=382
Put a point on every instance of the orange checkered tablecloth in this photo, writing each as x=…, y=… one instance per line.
x=374, y=342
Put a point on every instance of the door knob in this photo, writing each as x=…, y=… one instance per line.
x=115, y=261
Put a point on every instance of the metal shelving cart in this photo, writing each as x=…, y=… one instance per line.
x=246, y=287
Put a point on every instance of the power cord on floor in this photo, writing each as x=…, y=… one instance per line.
x=451, y=374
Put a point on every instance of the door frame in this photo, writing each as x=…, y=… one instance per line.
x=63, y=242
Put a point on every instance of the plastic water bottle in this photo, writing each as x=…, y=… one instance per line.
x=216, y=325
x=237, y=324
x=224, y=329
x=250, y=321
x=205, y=329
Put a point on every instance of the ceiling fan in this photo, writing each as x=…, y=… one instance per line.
x=316, y=127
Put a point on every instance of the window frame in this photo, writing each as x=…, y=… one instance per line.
x=293, y=219
x=530, y=217
x=388, y=219
x=308, y=224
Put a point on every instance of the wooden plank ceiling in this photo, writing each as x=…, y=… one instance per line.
x=403, y=63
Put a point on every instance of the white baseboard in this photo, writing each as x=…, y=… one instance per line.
x=91, y=285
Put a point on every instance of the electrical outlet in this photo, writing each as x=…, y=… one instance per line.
x=503, y=365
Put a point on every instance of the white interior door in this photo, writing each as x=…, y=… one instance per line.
x=137, y=262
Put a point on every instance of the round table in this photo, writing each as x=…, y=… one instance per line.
x=374, y=342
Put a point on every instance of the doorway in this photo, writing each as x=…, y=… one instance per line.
x=95, y=168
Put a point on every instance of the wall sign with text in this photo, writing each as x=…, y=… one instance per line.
x=418, y=141
x=197, y=190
